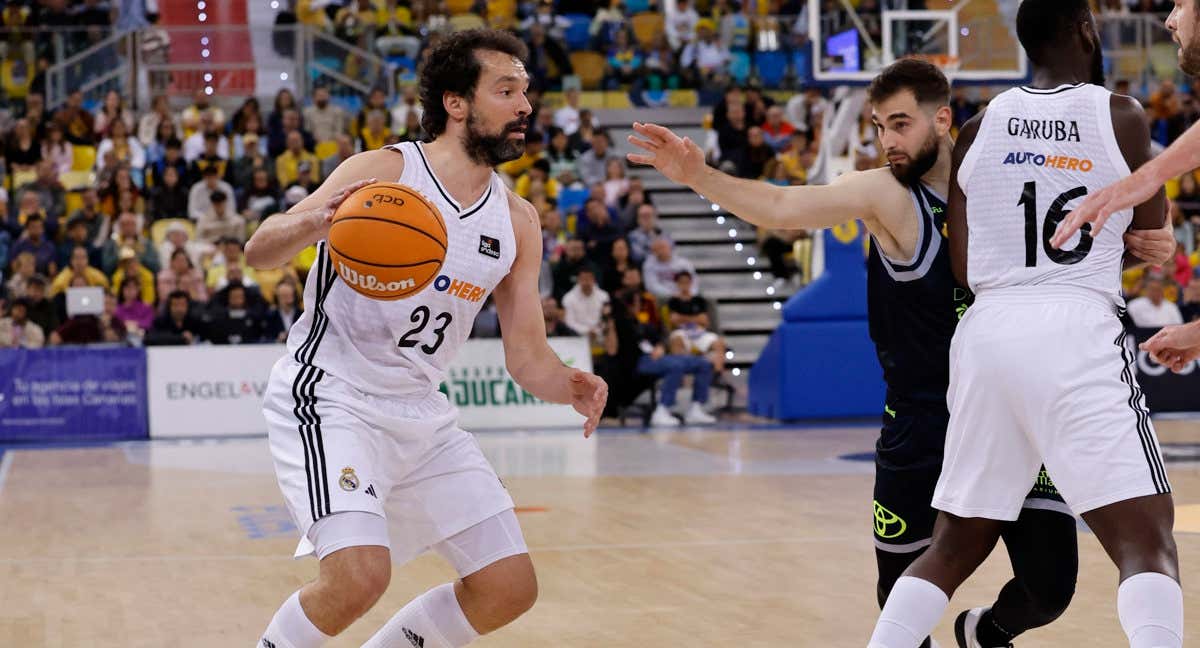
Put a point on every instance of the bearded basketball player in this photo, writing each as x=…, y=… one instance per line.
x=914, y=306
x=354, y=414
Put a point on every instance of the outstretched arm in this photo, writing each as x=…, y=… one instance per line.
x=759, y=203
x=529, y=358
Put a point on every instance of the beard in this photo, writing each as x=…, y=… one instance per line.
x=1189, y=58
x=909, y=173
x=489, y=149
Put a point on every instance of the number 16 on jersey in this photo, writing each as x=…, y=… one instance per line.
x=1050, y=221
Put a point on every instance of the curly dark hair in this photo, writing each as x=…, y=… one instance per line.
x=452, y=66
x=925, y=80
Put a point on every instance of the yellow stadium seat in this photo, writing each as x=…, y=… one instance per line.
x=463, y=22
x=77, y=180
x=457, y=7
x=84, y=158
x=325, y=149
x=20, y=178
x=73, y=202
x=589, y=67
x=646, y=27
x=158, y=231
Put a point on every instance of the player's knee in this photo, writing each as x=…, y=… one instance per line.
x=356, y=581
x=501, y=593
x=1051, y=599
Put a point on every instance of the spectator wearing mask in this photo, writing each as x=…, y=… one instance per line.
x=128, y=234
x=180, y=274
x=691, y=330
x=1152, y=309
x=325, y=119
x=17, y=330
x=78, y=266
x=169, y=199
x=593, y=164
x=41, y=309
x=177, y=325
x=77, y=236
x=33, y=240
x=287, y=310
x=583, y=305
x=130, y=307
x=131, y=267
x=662, y=266
x=647, y=230
x=287, y=165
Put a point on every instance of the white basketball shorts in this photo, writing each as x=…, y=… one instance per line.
x=339, y=449
x=1037, y=375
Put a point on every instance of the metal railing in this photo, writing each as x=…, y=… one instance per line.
x=230, y=62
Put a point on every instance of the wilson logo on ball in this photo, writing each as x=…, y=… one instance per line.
x=371, y=282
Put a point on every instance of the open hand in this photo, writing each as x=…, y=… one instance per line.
x=338, y=198
x=589, y=393
x=678, y=158
x=1097, y=207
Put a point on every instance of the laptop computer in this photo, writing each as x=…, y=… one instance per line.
x=85, y=300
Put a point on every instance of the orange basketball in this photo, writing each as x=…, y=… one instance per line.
x=386, y=241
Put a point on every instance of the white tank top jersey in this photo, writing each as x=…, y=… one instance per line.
x=1036, y=155
x=403, y=347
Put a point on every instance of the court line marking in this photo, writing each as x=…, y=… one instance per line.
x=6, y=460
x=535, y=549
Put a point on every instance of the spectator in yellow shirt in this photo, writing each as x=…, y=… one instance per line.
x=538, y=174
x=78, y=267
x=376, y=132
x=534, y=151
x=287, y=164
x=130, y=266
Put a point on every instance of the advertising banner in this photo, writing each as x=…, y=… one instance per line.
x=72, y=393
x=209, y=390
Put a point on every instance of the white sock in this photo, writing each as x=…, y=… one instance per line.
x=1150, y=606
x=910, y=614
x=291, y=628
x=432, y=620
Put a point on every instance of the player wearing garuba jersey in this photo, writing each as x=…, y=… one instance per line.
x=1029, y=384
x=354, y=414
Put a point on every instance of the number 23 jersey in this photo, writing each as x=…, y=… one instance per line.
x=403, y=347
x=1037, y=154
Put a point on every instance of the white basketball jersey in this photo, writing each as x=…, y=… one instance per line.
x=403, y=347
x=1037, y=154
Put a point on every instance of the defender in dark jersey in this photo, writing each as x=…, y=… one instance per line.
x=914, y=306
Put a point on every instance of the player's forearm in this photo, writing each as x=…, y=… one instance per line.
x=1179, y=158
x=281, y=237
x=753, y=201
x=543, y=375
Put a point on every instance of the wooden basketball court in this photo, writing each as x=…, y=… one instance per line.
x=714, y=537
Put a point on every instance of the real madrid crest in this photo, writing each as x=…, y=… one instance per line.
x=348, y=481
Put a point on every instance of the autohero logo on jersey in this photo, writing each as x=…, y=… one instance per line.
x=464, y=290
x=1064, y=162
x=371, y=282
